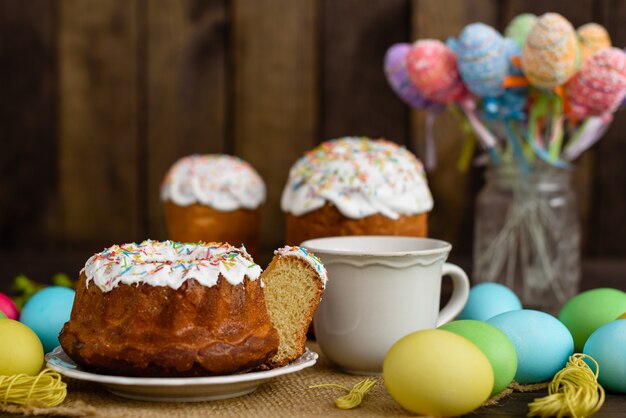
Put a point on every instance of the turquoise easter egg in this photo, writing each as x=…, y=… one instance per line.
x=543, y=344
x=46, y=313
x=487, y=300
x=494, y=344
x=607, y=345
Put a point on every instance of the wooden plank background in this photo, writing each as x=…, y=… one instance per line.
x=101, y=97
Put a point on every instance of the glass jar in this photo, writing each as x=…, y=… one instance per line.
x=527, y=235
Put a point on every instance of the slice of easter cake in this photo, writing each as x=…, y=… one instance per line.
x=293, y=286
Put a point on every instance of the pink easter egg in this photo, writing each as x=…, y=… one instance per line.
x=398, y=77
x=550, y=54
x=433, y=70
x=7, y=306
x=600, y=85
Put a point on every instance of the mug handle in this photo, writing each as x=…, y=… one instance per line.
x=460, y=292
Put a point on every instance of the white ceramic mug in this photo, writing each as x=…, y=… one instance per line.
x=381, y=288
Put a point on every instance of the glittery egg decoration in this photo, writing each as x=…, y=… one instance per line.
x=600, y=85
x=519, y=28
x=482, y=59
x=592, y=38
x=433, y=70
x=398, y=77
x=550, y=53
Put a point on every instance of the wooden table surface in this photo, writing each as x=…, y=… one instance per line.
x=596, y=273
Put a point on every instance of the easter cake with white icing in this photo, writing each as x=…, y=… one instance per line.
x=172, y=309
x=356, y=186
x=213, y=197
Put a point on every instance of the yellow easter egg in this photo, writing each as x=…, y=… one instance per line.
x=20, y=349
x=591, y=38
x=439, y=373
x=550, y=55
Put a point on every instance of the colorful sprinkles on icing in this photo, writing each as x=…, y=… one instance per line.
x=168, y=263
x=361, y=177
x=223, y=182
x=308, y=256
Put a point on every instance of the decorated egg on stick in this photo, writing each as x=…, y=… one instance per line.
x=519, y=28
x=398, y=77
x=550, y=54
x=482, y=59
x=599, y=87
x=433, y=70
x=592, y=37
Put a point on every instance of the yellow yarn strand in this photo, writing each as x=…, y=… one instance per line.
x=354, y=396
x=45, y=389
x=574, y=391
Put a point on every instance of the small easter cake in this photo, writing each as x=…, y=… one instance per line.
x=356, y=186
x=213, y=198
x=172, y=309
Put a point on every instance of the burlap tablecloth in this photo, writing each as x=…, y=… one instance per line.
x=284, y=396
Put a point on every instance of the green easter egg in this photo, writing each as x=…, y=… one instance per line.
x=2, y=315
x=588, y=311
x=496, y=346
x=519, y=28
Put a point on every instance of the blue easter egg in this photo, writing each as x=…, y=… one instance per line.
x=543, y=344
x=487, y=300
x=606, y=346
x=482, y=59
x=46, y=313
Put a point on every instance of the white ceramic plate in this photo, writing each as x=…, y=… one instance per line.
x=177, y=389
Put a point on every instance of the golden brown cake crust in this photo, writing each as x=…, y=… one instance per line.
x=148, y=330
x=198, y=222
x=329, y=222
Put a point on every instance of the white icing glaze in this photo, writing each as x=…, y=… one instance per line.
x=223, y=182
x=361, y=177
x=169, y=263
x=309, y=257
